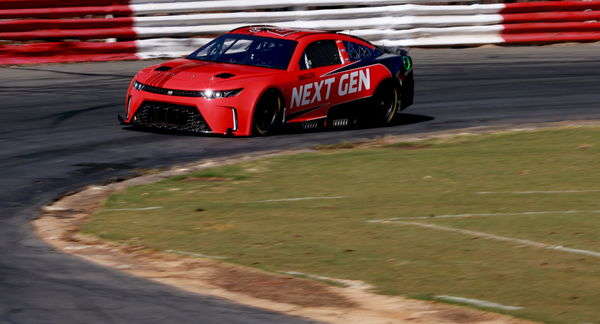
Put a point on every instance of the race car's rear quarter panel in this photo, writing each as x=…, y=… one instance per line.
x=400, y=66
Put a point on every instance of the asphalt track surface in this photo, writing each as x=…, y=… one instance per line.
x=59, y=133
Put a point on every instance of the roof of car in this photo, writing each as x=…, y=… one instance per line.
x=277, y=32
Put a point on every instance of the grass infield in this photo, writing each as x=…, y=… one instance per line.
x=252, y=214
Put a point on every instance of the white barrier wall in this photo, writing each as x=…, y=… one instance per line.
x=389, y=23
x=42, y=31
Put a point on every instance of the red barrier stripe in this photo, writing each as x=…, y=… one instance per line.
x=71, y=34
x=28, y=4
x=66, y=52
x=17, y=60
x=541, y=38
x=64, y=24
x=549, y=6
x=552, y=16
x=119, y=10
x=551, y=27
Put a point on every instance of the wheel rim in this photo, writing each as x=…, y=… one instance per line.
x=266, y=114
x=387, y=103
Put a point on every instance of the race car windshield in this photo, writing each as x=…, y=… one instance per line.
x=247, y=50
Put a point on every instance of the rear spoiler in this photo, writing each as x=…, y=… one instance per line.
x=393, y=50
x=386, y=49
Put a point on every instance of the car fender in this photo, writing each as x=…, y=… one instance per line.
x=246, y=102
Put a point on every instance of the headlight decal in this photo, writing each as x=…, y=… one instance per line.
x=208, y=94
x=138, y=86
x=216, y=94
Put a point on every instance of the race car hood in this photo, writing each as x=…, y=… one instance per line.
x=185, y=74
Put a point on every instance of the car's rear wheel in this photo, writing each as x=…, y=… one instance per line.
x=267, y=114
x=385, y=103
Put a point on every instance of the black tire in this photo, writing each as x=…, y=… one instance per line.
x=267, y=113
x=384, y=103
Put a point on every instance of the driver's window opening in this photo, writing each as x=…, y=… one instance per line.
x=320, y=53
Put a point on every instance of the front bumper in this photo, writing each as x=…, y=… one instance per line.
x=164, y=115
x=187, y=114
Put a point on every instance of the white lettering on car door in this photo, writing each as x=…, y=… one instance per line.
x=318, y=91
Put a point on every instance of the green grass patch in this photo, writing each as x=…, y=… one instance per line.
x=238, y=212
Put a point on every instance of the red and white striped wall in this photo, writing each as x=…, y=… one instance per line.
x=40, y=31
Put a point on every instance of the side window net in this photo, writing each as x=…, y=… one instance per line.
x=320, y=53
x=358, y=52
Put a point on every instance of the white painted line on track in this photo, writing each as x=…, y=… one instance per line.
x=577, y=251
x=349, y=283
x=497, y=237
x=200, y=255
x=301, y=198
x=562, y=212
x=477, y=302
x=133, y=209
x=534, y=192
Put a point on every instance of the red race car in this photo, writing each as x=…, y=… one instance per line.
x=256, y=79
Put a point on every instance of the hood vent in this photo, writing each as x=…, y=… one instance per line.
x=224, y=75
x=163, y=68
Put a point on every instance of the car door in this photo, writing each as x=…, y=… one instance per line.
x=312, y=91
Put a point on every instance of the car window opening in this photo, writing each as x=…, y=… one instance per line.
x=247, y=50
x=320, y=53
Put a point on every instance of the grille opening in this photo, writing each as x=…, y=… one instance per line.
x=163, y=115
x=172, y=92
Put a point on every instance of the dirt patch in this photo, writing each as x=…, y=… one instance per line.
x=463, y=316
x=60, y=222
x=288, y=289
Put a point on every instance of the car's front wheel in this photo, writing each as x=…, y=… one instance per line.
x=267, y=114
x=384, y=103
